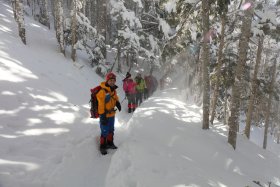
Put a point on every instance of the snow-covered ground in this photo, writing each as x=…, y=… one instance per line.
x=48, y=140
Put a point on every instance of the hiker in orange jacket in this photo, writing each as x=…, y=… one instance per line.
x=107, y=100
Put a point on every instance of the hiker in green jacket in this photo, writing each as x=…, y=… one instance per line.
x=140, y=87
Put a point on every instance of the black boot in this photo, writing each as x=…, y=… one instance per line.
x=103, y=146
x=111, y=145
x=110, y=141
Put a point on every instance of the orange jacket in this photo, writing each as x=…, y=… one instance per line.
x=111, y=99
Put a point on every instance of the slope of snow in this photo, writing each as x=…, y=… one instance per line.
x=167, y=147
x=48, y=140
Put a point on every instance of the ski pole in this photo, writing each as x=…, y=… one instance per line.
x=123, y=99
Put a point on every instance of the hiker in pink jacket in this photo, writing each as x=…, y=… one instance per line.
x=130, y=92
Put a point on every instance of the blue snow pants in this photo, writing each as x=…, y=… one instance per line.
x=109, y=128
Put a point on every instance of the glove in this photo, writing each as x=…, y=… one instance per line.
x=103, y=119
x=118, y=105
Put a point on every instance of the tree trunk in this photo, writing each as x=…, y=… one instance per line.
x=47, y=14
x=88, y=11
x=254, y=88
x=52, y=8
x=278, y=134
x=102, y=22
x=239, y=75
x=218, y=74
x=44, y=13
x=225, y=106
x=84, y=7
x=20, y=20
x=33, y=8
x=59, y=25
x=128, y=62
x=93, y=17
x=269, y=103
x=74, y=31
x=119, y=69
x=278, y=123
x=205, y=61
x=14, y=9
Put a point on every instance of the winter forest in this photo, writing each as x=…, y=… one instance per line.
x=223, y=54
x=228, y=49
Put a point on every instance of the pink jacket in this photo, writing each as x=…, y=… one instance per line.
x=129, y=86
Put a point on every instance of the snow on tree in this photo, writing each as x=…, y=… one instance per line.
x=101, y=22
x=126, y=25
x=86, y=37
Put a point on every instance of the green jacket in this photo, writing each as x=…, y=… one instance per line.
x=140, y=87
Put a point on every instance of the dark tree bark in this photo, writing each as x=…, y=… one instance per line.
x=205, y=64
x=254, y=88
x=239, y=75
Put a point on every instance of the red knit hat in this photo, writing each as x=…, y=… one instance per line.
x=110, y=76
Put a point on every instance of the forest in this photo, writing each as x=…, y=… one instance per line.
x=228, y=49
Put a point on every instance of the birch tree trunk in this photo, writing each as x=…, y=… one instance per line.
x=74, y=30
x=218, y=74
x=20, y=20
x=254, y=88
x=205, y=65
x=59, y=25
x=239, y=75
x=267, y=115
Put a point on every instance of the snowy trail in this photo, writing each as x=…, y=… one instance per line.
x=60, y=136
x=82, y=166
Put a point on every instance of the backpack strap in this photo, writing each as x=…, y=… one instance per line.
x=111, y=97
